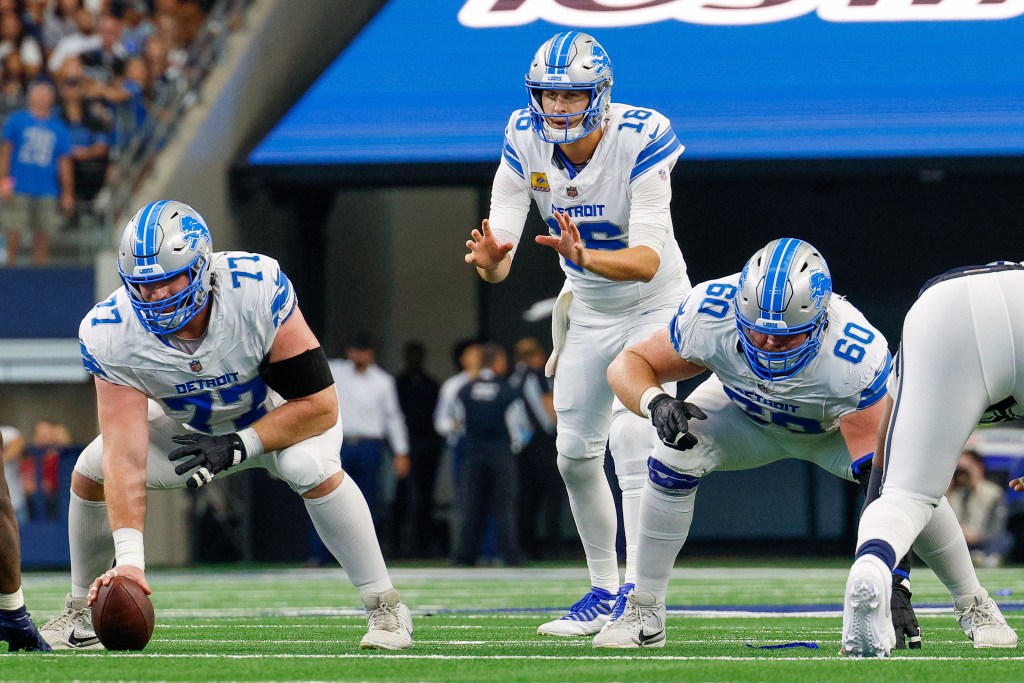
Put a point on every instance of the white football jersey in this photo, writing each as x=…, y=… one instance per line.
x=217, y=389
x=848, y=374
x=638, y=144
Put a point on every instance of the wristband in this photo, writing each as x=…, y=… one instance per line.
x=251, y=441
x=649, y=395
x=128, y=548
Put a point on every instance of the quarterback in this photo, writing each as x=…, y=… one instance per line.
x=798, y=373
x=960, y=363
x=204, y=365
x=598, y=173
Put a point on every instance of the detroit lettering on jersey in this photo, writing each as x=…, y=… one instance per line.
x=213, y=382
x=217, y=387
x=585, y=211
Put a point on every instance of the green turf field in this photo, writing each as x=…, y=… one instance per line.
x=480, y=625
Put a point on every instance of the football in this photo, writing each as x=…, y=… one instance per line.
x=123, y=615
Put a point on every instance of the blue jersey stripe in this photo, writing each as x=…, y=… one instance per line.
x=510, y=157
x=654, y=146
x=876, y=390
x=655, y=159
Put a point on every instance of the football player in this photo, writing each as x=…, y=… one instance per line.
x=204, y=366
x=798, y=373
x=961, y=361
x=598, y=172
x=16, y=626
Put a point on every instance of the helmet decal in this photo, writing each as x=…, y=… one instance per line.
x=821, y=285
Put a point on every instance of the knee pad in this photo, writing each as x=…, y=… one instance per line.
x=631, y=442
x=90, y=461
x=578, y=470
x=668, y=481
x=302, y=469
x=575, y=448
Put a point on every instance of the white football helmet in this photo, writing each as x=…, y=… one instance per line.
x=784, y=289
x=570, y=61
x=163, y=240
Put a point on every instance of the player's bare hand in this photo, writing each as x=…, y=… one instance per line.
x=569, y=244
x=1017, y=484
x=128, y=571
x=485, y=252
x=401, y=465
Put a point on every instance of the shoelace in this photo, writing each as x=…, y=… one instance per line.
x=982, y=615
x=62, y=620
x=385, y=618
x=630, y=613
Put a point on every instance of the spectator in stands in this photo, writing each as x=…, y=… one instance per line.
x=136, y=26
x=40, y=468
x=36, y=169
x=542, y=495
x=159, y=68
x=14, y=39
x=58, y=24
x=370, y=420
x=12, y=450
x=84, y=39
x=492, y=419
x=105, y=62
x=417, y=396
x=12, y=84
x=980, y=506
x=90, y=142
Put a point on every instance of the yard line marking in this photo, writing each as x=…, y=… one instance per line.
x=760, y=661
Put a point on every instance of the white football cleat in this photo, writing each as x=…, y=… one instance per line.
x=72, y=628
x=585, y=617
x=641, y=624
x=867, y=620
x=981, y=620
x=389, y=621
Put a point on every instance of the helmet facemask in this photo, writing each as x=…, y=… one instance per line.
x=784, y=290
x=569, y=61
x=164, y=240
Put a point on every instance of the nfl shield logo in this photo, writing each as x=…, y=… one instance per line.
x=572, y=191
x=195, y=365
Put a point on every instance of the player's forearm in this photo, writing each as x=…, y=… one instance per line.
x=629, y=376
x=298, y=419
x=124, y=487
x=498, y=273
x=635, y=264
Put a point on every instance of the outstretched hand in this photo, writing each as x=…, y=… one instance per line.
x=1017, y=484
x=484, y=250
x=569, y=244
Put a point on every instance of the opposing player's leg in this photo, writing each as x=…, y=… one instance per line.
x=16, y=626
x=342, y=518
x=583, y=403
x=924, y=437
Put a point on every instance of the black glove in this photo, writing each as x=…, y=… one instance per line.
x=903, y=618
x=669, y=416
x=211, y=454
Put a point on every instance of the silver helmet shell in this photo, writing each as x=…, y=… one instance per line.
x=784, y=289
x=569, y=61
x=163, y=240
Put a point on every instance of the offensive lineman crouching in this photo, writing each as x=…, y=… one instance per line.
x=204, y=363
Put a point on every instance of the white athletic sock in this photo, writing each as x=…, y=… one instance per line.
x=13, y=600
x=342, y=519
x=91, y=543
x=664, y=525
x=593, y=508
x=631, y=524
x=894, y=518
x=631, y=441
x=941, y=544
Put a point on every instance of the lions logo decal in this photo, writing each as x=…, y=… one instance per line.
x=192, y=231
x=821, y=285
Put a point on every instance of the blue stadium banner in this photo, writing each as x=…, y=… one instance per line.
x=740, y=79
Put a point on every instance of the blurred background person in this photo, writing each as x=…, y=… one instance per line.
x=981, y=507
x=371, y=419
x=11, y=451
x=542, y=495
x=40, y=468
x=36, y=169
x=414, y=496
x=491, y=417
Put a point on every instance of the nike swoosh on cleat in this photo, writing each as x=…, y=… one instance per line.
x=642, y=637
x=74, y=640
